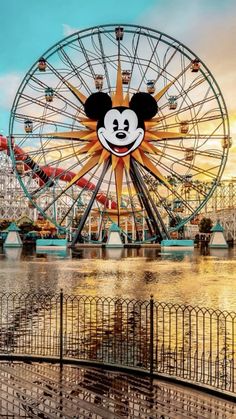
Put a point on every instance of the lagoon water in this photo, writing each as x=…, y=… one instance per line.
x=186, y=278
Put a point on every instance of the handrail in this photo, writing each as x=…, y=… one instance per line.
x=182, y=342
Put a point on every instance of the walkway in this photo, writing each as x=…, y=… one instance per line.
x=44, y=391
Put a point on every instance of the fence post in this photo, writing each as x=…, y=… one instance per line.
x=151, y=334
x=61, y=326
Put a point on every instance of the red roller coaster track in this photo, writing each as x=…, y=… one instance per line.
x=45, y=173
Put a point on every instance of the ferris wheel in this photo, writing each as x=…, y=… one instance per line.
x=119, y=123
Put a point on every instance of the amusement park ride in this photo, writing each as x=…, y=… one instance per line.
x=118, y=123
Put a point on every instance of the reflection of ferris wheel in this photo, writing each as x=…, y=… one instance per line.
x=106, y=116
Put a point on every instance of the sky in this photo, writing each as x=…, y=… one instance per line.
x=30, y=27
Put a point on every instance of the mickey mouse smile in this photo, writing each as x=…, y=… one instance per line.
x=120, y=149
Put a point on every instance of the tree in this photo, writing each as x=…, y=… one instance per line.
x=4, y=224
x=205, y=225
x=26, y=227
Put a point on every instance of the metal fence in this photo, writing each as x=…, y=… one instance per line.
x=189, y=343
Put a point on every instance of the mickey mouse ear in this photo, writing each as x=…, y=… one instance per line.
x=97, y=105
x=144, y=105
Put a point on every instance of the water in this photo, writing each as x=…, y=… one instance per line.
x=177, y=277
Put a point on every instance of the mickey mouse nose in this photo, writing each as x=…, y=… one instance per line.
x=120, y=135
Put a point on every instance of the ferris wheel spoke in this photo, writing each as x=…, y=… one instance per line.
x=183, y=109
x=82, y=190
x=165, y=135
x=77, y=136
x=104, y=61
x=186, y=108
x=122, y=48
x=41, y=150
x=75, y=70
x=58, y=174
x=154, y=189
x=198, y=170
x=92, y=54
x=51, y=172
x=137, y=61
x=56, y=93
x=198, y=121
x=44, y=149
x=63, y=191
x=153, y=55
x=64, y=159
x=87, y=59
x=79, y=95
x=172, y=172
x=90, y=164
x=174, y=193
x=197, y=152
x=163, y=91
x=164, y=69
x=52, y=108
x=41, y=120
x=194, y=110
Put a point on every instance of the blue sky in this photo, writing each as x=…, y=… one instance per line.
x=29, y=27
x=32, y=26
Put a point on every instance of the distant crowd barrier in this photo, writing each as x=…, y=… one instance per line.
x=193, y=344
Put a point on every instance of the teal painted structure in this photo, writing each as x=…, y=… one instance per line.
x=114, y=239
x=13, y=237
x=219, y=246
x=217, y=228
x=218, y=240
x=114, y=227
x=177, y=243
x=13, y=227
x=51, y=243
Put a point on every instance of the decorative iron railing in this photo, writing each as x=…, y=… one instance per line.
x=193, y=344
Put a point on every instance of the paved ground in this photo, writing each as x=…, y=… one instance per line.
x=44, y=391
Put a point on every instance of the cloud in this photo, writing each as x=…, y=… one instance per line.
x=207, y=28
x=9, y=84
x=68, y=30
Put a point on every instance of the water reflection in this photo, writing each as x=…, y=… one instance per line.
x=95, y=392
x=61, y=253
x=178, y=255
x=116, y=254
x=219, y=253
x=203, y=277
x=13, y=253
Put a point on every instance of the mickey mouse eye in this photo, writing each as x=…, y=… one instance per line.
x=130, y=120
x=115, y=125
x=126, y=125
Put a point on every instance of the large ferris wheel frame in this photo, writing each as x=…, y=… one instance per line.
x=145, y=198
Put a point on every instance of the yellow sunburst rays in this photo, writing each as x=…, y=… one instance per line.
x=99, y=155
x=92, y=145
x=140, y=154
x=119, y=163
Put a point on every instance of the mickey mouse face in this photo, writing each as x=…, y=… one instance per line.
x=120, y=133
x=120, y=129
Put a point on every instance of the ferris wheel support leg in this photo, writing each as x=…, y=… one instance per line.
x=145, y=202
x=90, y=204
x=150, y=218
x=159, y=224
